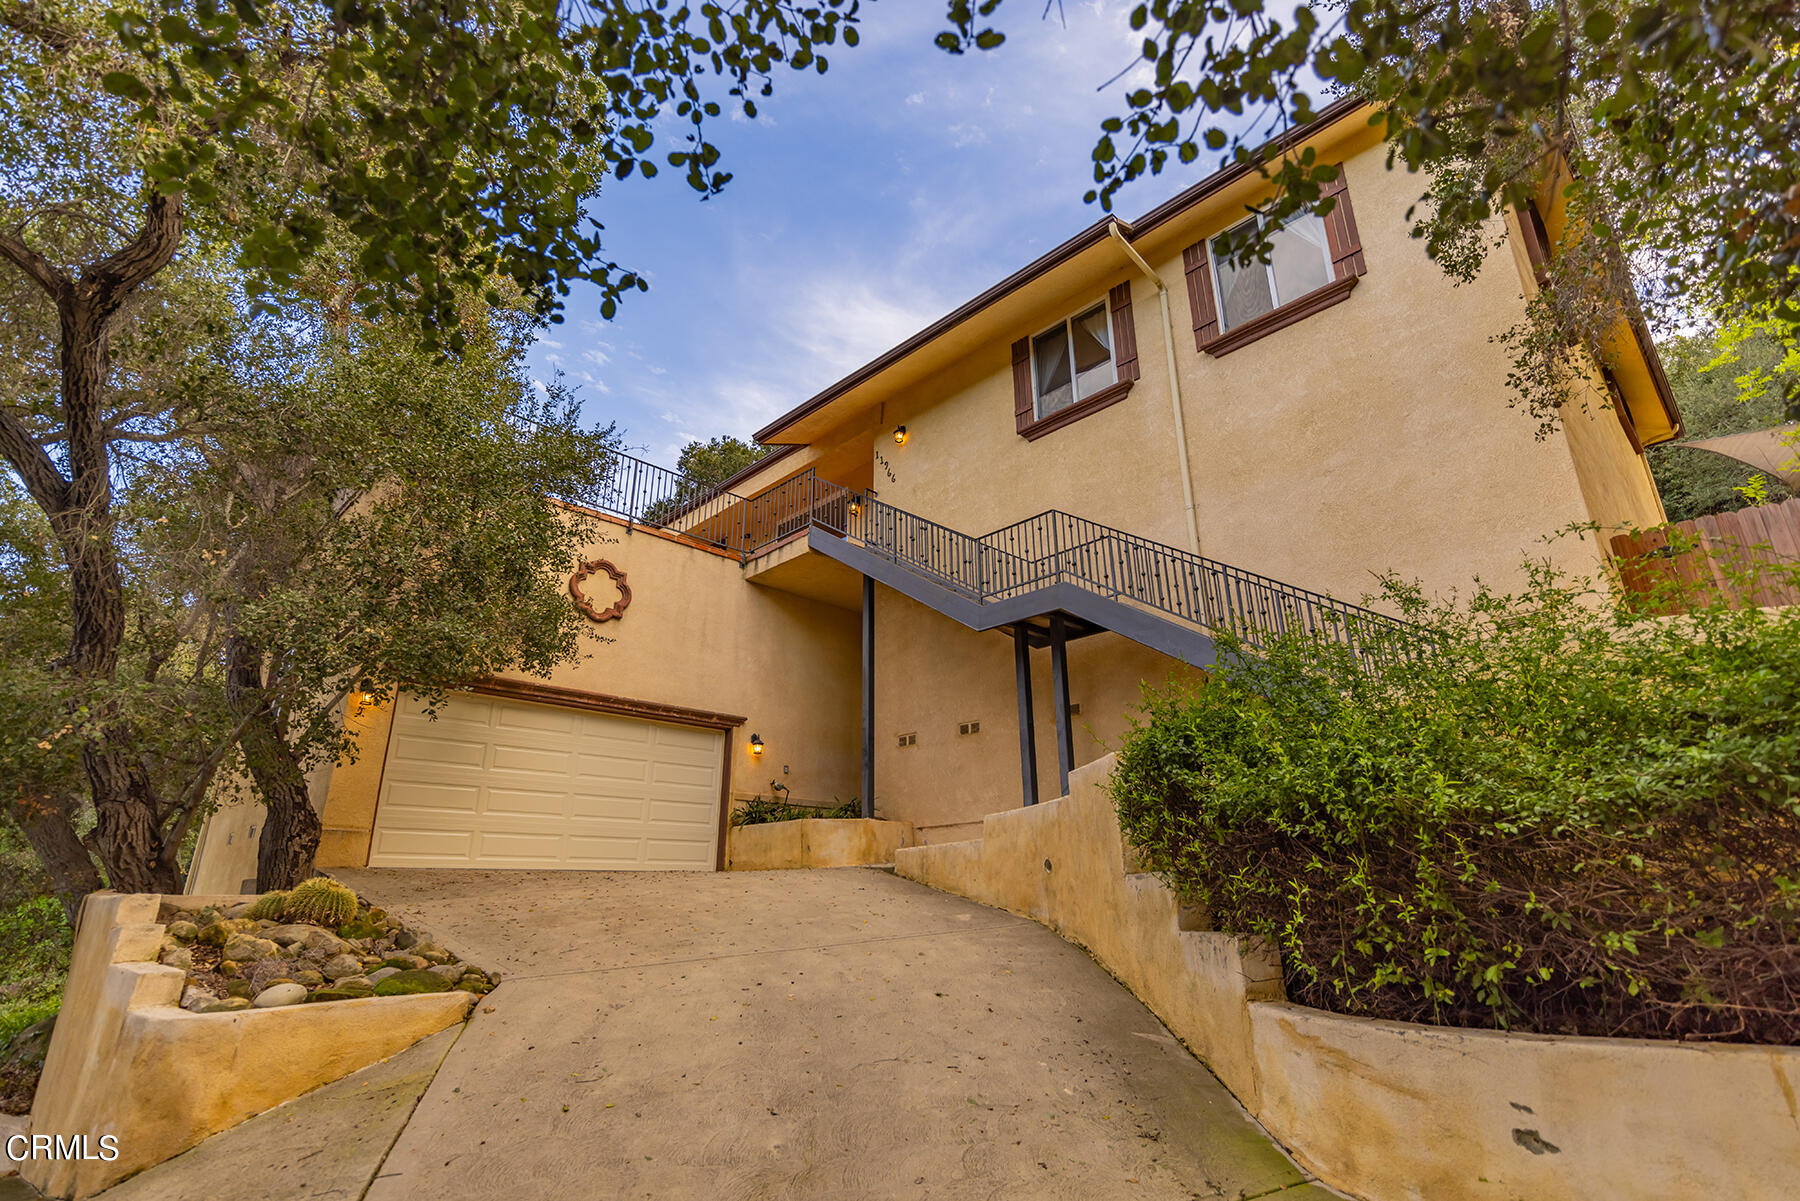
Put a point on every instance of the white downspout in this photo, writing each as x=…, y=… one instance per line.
x=1181, y=446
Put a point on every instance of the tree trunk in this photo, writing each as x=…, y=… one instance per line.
x=127, y=828
x=70, y=867
x=291, y=828
x=79, y=509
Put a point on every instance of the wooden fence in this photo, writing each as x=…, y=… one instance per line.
x=1750, y=557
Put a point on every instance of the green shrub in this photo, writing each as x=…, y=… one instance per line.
x=1553, y=817
x=34, y=960
x=756, y=811
x=321, y=901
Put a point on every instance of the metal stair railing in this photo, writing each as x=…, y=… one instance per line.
x=1052, y=547
x=1056, y=547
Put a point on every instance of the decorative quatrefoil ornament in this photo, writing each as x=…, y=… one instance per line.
x=594, y=567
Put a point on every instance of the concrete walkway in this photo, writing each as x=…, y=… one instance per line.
x=825, y=1034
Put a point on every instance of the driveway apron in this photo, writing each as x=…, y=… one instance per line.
x=807, y=1034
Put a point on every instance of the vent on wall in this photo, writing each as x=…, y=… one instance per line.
x=969, y=727
x=1075, y=709
x=909, y=740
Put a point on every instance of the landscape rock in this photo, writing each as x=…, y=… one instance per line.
x=239, y=910
x=405, y=939
x=240, y=988
x=383, y=974
x=177, y=956
x=293, y=932
x=309, y=978
x=228, y=968
x=224, y=1005
x=448, y=971
x=405, y=963
x=362, y=982
x=402, y=984
x=339, y=992
x=193, y=996
x=182, y=931
x=247, y=948
x=339, y=966
x=432, y=952
x=280, y=994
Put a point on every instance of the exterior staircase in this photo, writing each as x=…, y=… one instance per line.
x=1090, y=576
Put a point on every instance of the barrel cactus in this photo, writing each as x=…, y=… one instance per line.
x=321, y=901
x=268, y=908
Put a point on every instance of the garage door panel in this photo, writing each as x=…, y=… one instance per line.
x=404, y=845
x=513, y=784
x=550, y=761
x=594, y=851
x=457, y=801
x=447, y=751
x=612, y=767
x=523, y=803
x=684, y=813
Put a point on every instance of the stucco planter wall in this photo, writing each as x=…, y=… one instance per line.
x=815, y=842
x=127, y=1061
x=1391, y=1111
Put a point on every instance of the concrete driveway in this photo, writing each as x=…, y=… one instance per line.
x=810, y=1034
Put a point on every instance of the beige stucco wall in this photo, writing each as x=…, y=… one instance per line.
x=1391, y=1111
x=815, y=842
x=698, y=636
x=932, y=675
x=1374, y=435
x=126, y=1061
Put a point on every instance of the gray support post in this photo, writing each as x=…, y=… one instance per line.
x=1059, y=692
x=1027, y=729
x=868, y=697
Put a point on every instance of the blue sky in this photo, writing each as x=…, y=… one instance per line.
x=865, y=203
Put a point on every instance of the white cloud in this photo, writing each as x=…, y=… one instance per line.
x=964, y=134
x=916, y=98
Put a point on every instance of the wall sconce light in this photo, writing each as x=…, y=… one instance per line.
x=856, y=506
x=899, y=435
x=756, y=744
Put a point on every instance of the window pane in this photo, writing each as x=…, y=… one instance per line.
x=1093, y=352
x=1050, y=361
x=1243, y=291
x=1299, y=257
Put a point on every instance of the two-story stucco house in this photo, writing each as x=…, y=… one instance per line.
x=950, y=582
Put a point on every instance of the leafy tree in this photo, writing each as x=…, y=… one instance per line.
x=712, y=462
x=454, y=147
x=1677, y=120
x=353, y=513
x=1713, y=402
x=703, y=466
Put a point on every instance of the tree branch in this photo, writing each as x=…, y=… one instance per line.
x=35, y=265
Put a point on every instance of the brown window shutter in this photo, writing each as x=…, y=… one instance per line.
x=1023, y=411
x=1200, y=295
x=1340, y=231
x=1125, y=354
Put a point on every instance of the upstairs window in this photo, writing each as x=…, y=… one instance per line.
x=1299, y=262
x=1076, y=368
x=1313, y=264
x=1072, y=361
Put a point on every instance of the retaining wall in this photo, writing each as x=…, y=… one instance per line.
x=1391, y=1111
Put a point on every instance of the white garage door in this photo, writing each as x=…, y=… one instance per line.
x=499, y=783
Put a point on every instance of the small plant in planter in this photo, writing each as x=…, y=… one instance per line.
x=320, y=901
x=269, y=907
x=757, y=811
